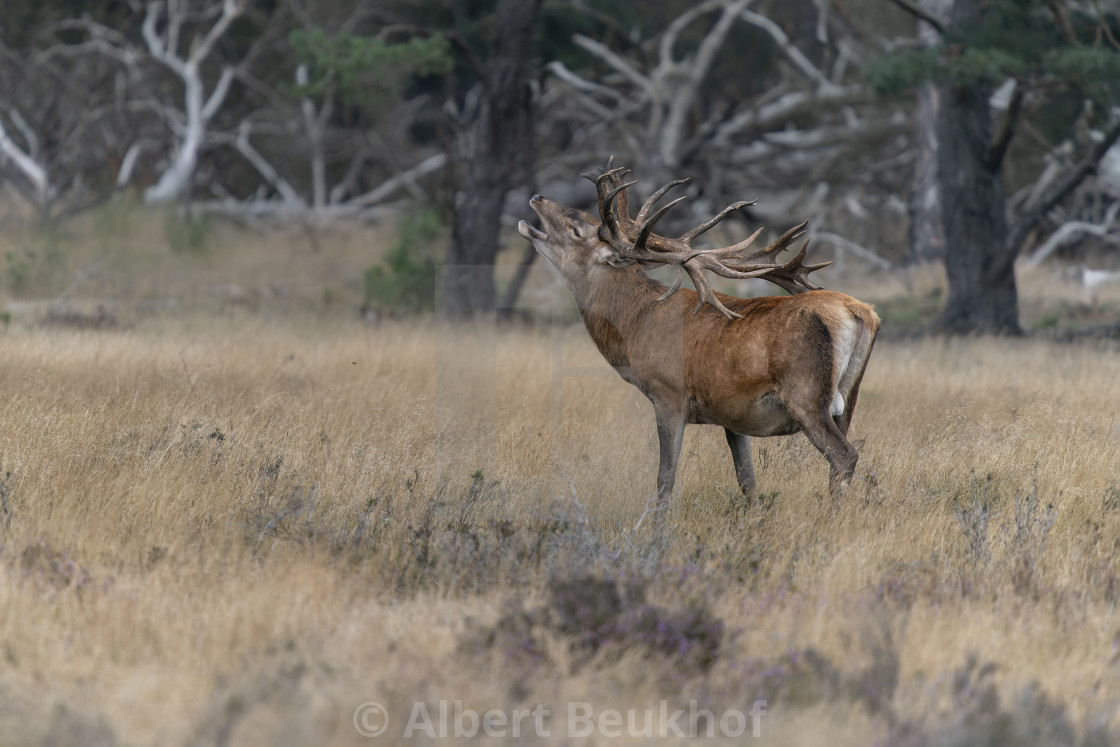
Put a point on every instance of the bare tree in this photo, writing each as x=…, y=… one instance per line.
x=664, y=113
x=199, y=105
x=66, y=128
x=927, y=234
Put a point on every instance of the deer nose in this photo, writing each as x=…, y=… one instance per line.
x=535, y=198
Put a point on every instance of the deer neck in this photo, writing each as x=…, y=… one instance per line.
x=615, y=304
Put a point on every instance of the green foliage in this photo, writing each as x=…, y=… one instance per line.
x=1094, y=71
x=984, y=67
x=891, y=75
x=1011, y=38
x=894, y=74
x=405, y=279
x=1024, y=29
x=38, y=267
x=1050, y=321
x=366, y=70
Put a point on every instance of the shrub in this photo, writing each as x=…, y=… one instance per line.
x=405, y=279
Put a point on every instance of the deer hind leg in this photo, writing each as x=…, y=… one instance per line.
x=825, y=434
x=741, y=455
x=844, y=419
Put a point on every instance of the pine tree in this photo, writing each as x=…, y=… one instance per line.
x=1063, y=58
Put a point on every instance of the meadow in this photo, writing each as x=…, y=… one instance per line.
x=233, y=512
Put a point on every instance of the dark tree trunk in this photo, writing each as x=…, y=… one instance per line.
x=495, y=149
x=982, y=295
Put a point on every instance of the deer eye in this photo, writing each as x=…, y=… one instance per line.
x=573, y=229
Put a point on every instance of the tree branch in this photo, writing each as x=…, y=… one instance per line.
x=388, y=187
x=920, y=14
x=561, y=72
x=796, y=56
x=774, y=113
x=608, y=56
x=1061, y=188
x=266, y=169
x=847, y=245
x=997, y=149
x=31, y=170
x=669, y=36
x=1069, y=231
x=231, y=9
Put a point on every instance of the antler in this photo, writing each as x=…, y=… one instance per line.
x=635, y=241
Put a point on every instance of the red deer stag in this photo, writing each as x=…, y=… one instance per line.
x=757, y=367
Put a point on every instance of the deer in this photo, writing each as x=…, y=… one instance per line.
x=757, y=367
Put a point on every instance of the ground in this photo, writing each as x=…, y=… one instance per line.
x=236, y=513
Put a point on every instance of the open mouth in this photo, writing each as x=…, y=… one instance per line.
x=529, y=232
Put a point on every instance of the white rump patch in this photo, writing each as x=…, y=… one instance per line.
x=844, y=341
x=853, y=343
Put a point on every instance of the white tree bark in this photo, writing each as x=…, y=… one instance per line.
x=315, y=124
x=1073, y=230
x=26, y=165
x=198, y=108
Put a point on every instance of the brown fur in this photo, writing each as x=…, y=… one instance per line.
x=773, y=371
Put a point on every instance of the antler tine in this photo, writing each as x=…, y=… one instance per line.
x=603, y=174
x=793, y=276
x=653, y=198
x=647, y=225
x=787, y=238
x=718, y=217
x=615, y=212
x=634, y=241
x=610, y=196
x=736, y=248
x=608, y=190
x=704, y=294
x=676, y=286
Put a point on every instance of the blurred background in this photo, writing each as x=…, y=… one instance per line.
x=374, y=156
x=248, y=486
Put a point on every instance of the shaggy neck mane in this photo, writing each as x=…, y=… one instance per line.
x=613, y=310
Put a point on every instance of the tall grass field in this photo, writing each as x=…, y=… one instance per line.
x=244, y=516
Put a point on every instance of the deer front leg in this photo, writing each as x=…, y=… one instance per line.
x=670, y=435
x=741, y=455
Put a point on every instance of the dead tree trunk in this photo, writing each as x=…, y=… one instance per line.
x=927, y=235
x=496, y=148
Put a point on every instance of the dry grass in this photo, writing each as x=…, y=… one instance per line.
x=234, y=527
x=241, y=532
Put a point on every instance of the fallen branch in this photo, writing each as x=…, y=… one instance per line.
x=847, y=245
x=1068, y=232
x=429, y=165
